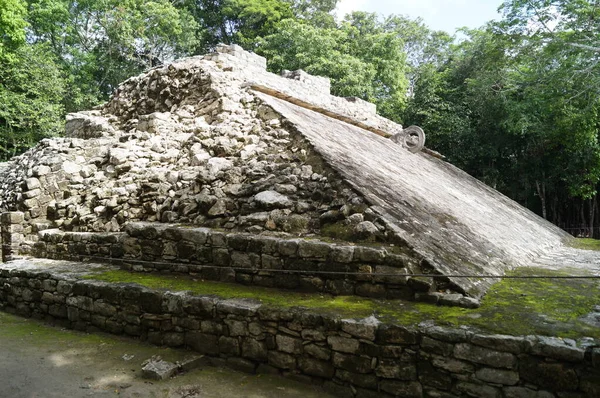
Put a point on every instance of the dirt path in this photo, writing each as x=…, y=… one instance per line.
x=37, y=360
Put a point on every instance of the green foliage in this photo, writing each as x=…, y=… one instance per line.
x=31, y=90
x=360, y=56
x=101, y=43
x=12, y=26
x=236, y=21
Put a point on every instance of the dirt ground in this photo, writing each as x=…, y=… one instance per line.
x=37, y=360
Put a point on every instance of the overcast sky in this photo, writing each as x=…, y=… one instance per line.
x=447, y=15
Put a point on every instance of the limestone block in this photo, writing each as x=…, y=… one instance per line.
x=13, y=217
x=159, y=370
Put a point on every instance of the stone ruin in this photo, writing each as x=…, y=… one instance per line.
x=213, y=165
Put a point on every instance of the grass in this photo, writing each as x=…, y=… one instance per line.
x=513, y=306
x=586, y=244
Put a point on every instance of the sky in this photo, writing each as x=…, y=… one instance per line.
x=447, y=15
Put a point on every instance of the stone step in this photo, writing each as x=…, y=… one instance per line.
x=311, y=265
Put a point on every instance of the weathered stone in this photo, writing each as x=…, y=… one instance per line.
x=203, y=343
x=364, y=328
x=453, y=365
x=498, y=376
x=408, y=389
x=288, y=344
x=281, y=360
x=392, y=334
x=479, y=390
x=548, y=375
x=343, y=344
x=484, y=356
x=315, y=367
x=510, y=344
x=556, y=348
x=392, y=369
x=352, y=363
x=159, y=370
x=310, y=249
x=229, y=345
x=522, y=392
x=254, y=349
x=272, y=200
x=318, y=351
x=436, y=347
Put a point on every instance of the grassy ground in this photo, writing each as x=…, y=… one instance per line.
x=587, y=244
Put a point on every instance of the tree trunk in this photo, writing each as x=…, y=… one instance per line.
x=592, y=215
x=541, y=191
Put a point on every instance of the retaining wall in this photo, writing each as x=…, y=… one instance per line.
x=309, y=265
x=348, y=357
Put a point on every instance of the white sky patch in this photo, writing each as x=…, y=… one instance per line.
x=447, y=15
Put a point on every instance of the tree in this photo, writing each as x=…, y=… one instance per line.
x=31, y=90
x=102, y=42
x=236, y=21
x=359, y=56
x=566, y=31
x=12, y=26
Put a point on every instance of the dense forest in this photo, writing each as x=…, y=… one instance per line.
x=514, y=103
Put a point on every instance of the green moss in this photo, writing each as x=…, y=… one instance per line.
x=586, y=243
x=25, y=329
x=345, y=305
x=338, y=231
x=512, y=306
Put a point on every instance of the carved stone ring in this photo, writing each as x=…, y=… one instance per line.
x=411, y=138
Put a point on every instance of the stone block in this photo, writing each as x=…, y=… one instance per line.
x=202, y=342
x=395, y=334
x=341, y=254
x=288, y=344
x=254, y=349
x=159, y=370
x=479, y=390
x=453, y=365
x=557, y=348
x=12, y=217
x=499, y=342
x=343, y=344
x=363, y=328
x=318, y=351
x=436, y=347
x=229, y=345
x=369, y=255
x=352, y=363
x=281, y=360
x=498, y=376
x=315, y=367
x=242, y=307
x=236, y=328
x=484, y=356
x=548, y=375
x=288, y=248
x=313, y=249
x=392, y=369
x=406, y=389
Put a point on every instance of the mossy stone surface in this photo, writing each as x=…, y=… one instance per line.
x=544, y=306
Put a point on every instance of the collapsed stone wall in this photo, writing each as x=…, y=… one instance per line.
x=349, y=357
x=183, y=143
